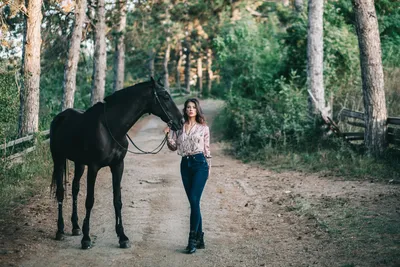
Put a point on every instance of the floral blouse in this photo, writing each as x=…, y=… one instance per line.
x=197, y=140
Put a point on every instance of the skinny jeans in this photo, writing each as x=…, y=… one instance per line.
x=194, y=172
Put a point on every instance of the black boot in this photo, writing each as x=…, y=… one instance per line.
x=191, y=247
x=200, y=240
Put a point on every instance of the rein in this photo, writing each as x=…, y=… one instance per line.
x=142, y=152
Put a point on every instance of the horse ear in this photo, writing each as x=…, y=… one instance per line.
x=160, y=81
x=152, y=80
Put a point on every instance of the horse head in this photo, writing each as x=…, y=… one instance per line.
x=164, y=107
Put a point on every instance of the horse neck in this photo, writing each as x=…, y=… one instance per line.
x=122, y=116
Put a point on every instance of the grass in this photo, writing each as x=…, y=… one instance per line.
x=365, y=233
x=21, y=180
x=331, y=159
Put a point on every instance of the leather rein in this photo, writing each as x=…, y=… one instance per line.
x=142, y=152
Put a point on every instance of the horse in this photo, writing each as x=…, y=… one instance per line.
x=97, y=138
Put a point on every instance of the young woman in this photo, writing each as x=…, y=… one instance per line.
x=193, y=144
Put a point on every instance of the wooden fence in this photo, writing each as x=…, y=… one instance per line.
x=10, y=145
x=358, y=121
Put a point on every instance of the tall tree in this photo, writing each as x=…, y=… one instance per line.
x=151, y=58
x=69, y=83
x=375, y=136
x=119, y=57
x=209, y=71
x=29, y=94
x=100, y=55
x=167, y=24
x=187, y=62
x=179, y=59
x=315, y=58
x=298, y=4
x=165, y=65
x=200, y=73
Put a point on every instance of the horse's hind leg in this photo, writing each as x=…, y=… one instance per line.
x=59, y=167
x=79, y=168
x=117, y=171
x=91, y=180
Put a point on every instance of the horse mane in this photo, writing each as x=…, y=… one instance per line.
x=125, y=94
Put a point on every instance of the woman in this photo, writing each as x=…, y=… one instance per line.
x=193, y=144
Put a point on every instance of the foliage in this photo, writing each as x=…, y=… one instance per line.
x=9, y=103
x=20, y=181
x=248, y=58
x=264, y=72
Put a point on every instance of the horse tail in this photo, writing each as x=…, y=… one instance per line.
x=53, y=126
x=64, y=177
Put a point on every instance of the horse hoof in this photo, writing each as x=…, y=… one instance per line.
x=125, y=244
x=59, y=236
x=76, y=232
x=86, y=244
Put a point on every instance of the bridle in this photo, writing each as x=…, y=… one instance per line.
x=142, y=152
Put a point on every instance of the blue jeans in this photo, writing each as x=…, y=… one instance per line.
x=194, y=172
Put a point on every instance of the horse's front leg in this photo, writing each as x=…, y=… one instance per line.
x=79, y=169
x=91, y=180
x=117, y=170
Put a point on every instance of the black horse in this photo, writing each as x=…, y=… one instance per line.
x=97, y=138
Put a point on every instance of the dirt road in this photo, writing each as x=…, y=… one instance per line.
x=251, y=216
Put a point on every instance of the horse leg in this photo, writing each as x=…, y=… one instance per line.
x=59, y=167
x=91, y=180
x=79, y=168
x=117, y=170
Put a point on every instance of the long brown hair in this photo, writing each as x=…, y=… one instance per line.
x=199, y=112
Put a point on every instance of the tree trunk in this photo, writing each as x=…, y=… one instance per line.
x=151, y=54
x=119, y=56
x=209, y=70
x=187, y=64
x=372, y=76
x=179, y=56
x=298, y=4
x=29, y=94
x=69, y=84
x=200, y=74
x=315, y=58
x=165, y=65
x=100, y=55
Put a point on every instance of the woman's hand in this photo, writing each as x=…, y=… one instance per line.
x=166, y=130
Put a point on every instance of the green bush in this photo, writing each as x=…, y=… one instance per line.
x=9, y=103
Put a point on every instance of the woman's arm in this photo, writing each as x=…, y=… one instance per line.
x=207, y=152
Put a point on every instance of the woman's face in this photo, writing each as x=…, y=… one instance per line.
x=191, y=110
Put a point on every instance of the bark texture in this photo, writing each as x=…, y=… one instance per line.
x=200, y=74
x=375, y=136
x=29, y=94
x=298, y=5
x=187, y=64
x=119, y=56
x=315, y=58
x=179, y=57
x=165, y=66
x=69, y=83
x=209, y=70
x=100, y=55
x=151, y=54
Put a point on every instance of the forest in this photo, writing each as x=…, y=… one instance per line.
x=251, y=54
x=287, y=71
